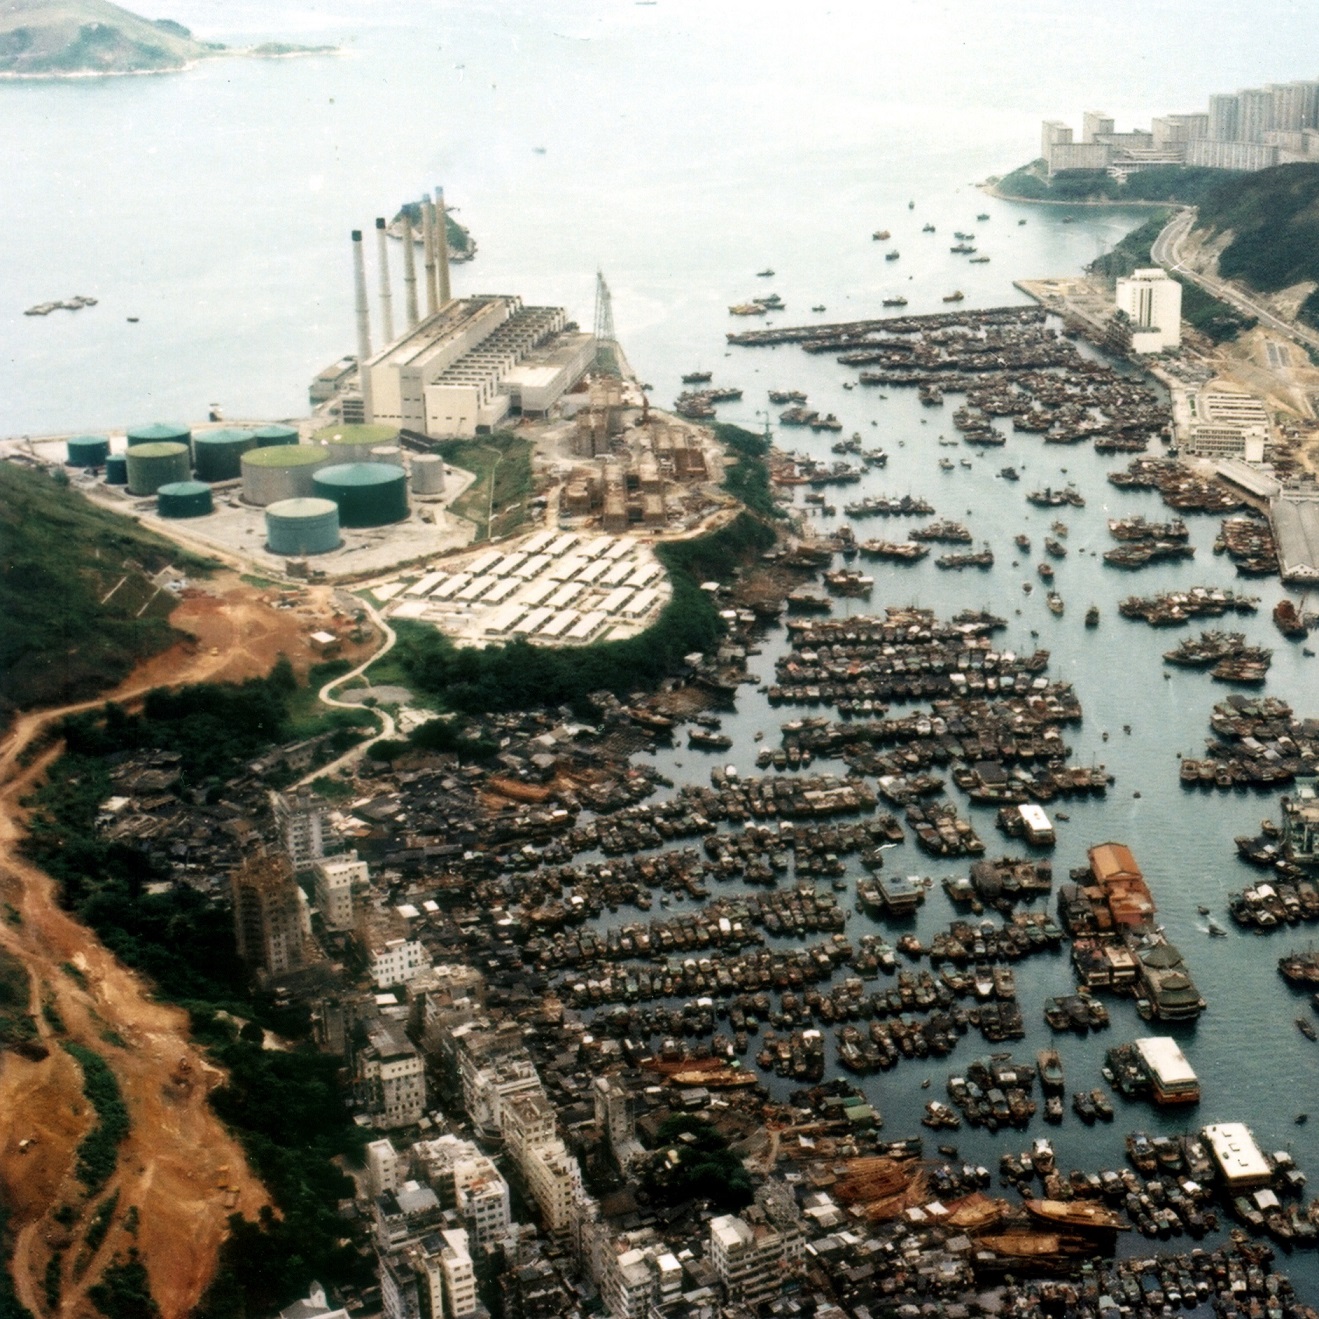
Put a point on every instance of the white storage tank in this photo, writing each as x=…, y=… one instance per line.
x=427, y=475
x=283, y=471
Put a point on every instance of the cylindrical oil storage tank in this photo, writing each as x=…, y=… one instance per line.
x=275, y=433
x=116, y=469
x=184, y=499
x=368, y=494
x=160, y=432
x=353, y=444
x=427, y=475
x=283, y=471
x=88, y=450
x=302, y=526
x=218, y=455
x=387, y=453
x=151, y=466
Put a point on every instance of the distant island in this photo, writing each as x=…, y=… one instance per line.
x=94, y=38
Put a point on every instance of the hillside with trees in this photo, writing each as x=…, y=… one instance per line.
x=76, y=593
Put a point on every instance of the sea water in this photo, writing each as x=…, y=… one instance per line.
x=680, y=148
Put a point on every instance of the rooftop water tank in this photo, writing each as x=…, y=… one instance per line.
x=302, y=526
x=280, y=472
x=88, y=450
x=368, y=494
x=218, y=454
x=116, y=469
x=184, y=499
x=427, y=475
x=151, y=466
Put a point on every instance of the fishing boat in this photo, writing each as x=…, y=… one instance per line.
x=956, y=296
x=767, y=273
x=895, y=302
x=1092, y=616
x=1055, y=602
x=1045, y=571
x=880, y=235
x=698, y=377
x=893, y=255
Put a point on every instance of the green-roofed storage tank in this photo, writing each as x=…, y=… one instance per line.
x=151, y=466
x=116, y=469
x=282, y=471
x=88, y=450
x=217, y=454
x=184, y=499
x=368, y=494
x=160, y=432
x=302, y=526
x=275, y=433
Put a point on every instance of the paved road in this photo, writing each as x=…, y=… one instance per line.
x=1167, y=252
x=327, y=697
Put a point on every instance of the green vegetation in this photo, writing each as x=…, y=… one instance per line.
x=10, y=1305
x=449, y=733
x=1186, y=184
x=461, y=246
x=1273, y=215
x=284, y=1106
x=694, y=1162
x=75, y=594
x=100, y=1224
x=16, y=1023
x=52, y=1284
x=496, y=502
x=124, y=1291
x=287, y=1111
x=39, y=38
x=520, y=675
x=748, y=479
x=1206, y=313
x=98, y=1151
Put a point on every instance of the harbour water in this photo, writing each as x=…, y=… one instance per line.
x=684, y=149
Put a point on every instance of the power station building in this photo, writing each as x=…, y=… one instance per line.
x=469, y=362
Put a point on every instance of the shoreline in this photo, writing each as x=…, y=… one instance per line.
x=246, y=52
x=995, y=191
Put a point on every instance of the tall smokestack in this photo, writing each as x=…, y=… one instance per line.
x=409, y=269
x=386, y=297
x=442, y=245
x=428, y=233
x=363, y=323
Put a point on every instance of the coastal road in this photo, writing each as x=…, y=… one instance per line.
x=1167, y=251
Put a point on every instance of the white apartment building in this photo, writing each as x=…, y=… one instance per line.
x=754, y=1256
x=397, y=961
x=1152, y=301
x=467, y=1180
x=383, y=1167
x=301, y=823
x=394, y=1074
x=459, y=1276
x=336, y=878
x=614, y=1115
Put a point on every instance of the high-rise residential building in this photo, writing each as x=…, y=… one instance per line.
x=755, y=1254
x=393, y=1074
x=269, y=913
x=299, y=817
x=1255, y=114
x=1094, y=123
x=337, y=880
x=383, y=1167
x=1152, y=301
x=1224, y=117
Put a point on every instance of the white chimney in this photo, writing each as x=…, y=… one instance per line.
x=363, y=323
x=409, y=269
x=386, y=297
x=428, y=233
x=442, y=246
